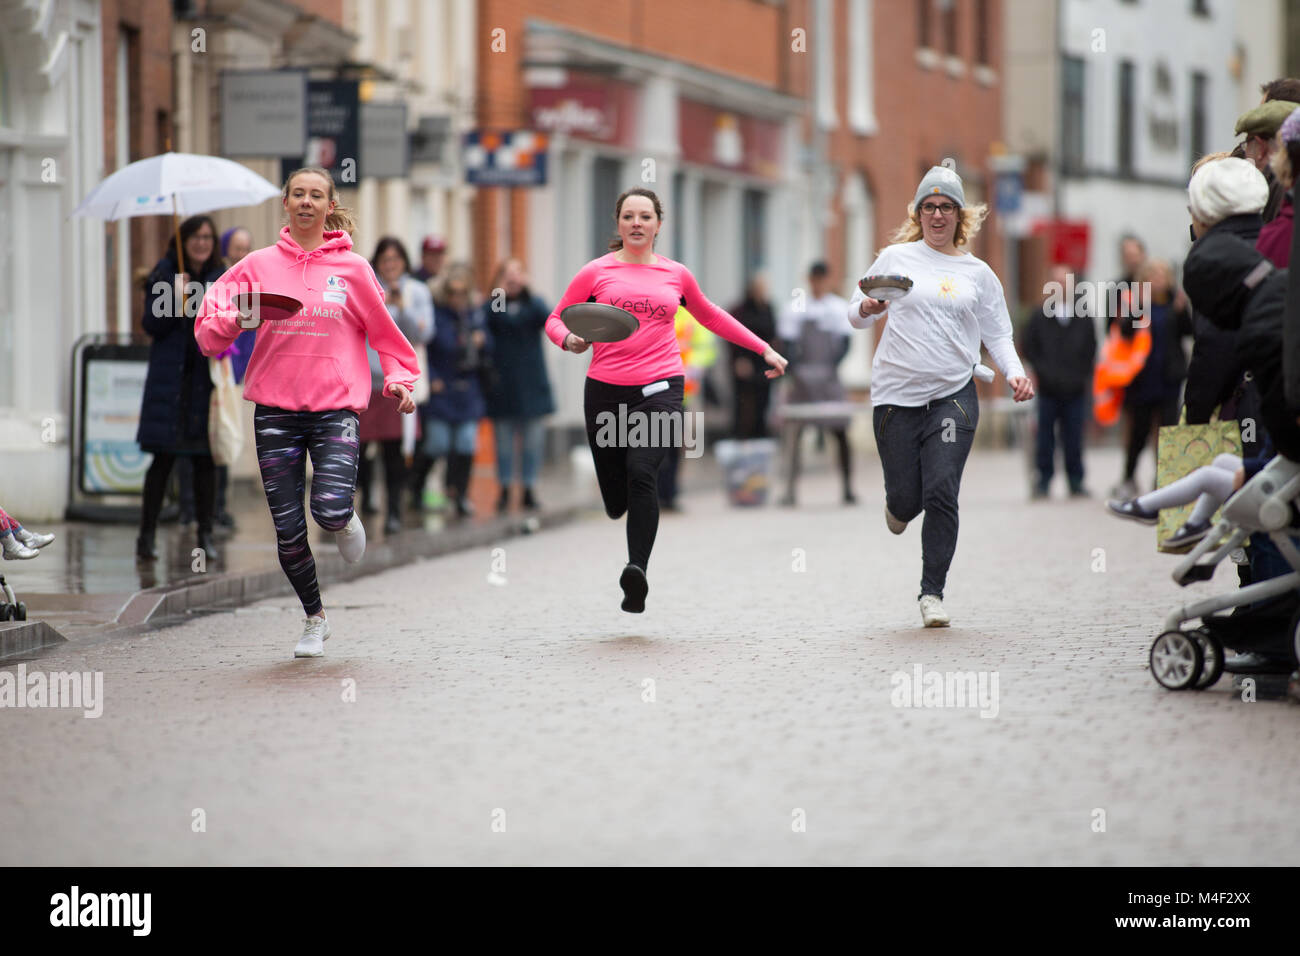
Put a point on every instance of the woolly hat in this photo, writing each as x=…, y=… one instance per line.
x=1228, y=187
x=940, y=181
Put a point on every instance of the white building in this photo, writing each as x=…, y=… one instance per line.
x=51, y=267
x=1116, y=98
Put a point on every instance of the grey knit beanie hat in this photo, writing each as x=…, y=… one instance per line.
x=940, y=181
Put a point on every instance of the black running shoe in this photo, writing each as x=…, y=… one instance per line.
x=635, y=587
x=1129, y=508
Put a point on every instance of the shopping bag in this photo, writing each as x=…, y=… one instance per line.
x=1180, y=451
x=225, y=424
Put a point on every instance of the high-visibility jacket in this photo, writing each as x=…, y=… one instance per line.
x=1121, y=360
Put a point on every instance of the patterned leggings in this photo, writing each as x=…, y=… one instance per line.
x=7, y=523
x=284, y=439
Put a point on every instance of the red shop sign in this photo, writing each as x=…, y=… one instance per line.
x=729, y=140
x=585, y=107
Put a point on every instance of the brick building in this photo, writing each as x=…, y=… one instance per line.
x=690, y=99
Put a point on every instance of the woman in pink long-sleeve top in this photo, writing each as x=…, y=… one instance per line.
x=633, y=398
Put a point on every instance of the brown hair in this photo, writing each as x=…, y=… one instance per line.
x=1283, y=88
x=1285, y=160
x=969, y=221
x=1211, y=158
x=617, y=242
x=341, y=216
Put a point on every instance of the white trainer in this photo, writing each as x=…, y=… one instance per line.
x=352, y=540
x=894, y=525
x=315, y=632
x=14, y=549
x=932, y=612
x=32, y=539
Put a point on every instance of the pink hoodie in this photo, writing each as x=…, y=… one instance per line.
x=316, y=361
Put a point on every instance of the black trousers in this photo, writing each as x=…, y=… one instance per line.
x=155, y=484
x=1143, y=418
x=627, y=448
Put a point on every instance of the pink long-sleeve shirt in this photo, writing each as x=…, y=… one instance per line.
x=315, y=361
x=652, y=293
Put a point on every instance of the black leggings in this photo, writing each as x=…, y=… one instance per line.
x=155, y=484
x=284, y=439
x=628, y=471
x=1142, y=420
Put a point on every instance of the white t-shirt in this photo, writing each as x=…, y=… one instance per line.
x=827, y=312
x=932, y=340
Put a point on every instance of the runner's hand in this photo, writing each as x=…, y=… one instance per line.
x=405, y=404
x=870, y=306
x=575, y=344
x=775, y=359
x=1023, y=388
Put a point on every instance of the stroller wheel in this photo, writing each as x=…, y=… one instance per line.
x=1212, y=655
x=1176, y=660
x=6, y=612
x=20, y=614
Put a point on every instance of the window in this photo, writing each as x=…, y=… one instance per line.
x=982, y=53
x=1072, y=115
x=754, y=231
x=862, y=113
x=605, y=176
x=1124, y=138
x=949, y=10
x=924, y=23
x=1199, y=85
x=677, y=216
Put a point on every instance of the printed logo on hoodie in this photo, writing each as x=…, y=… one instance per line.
x=334, y=290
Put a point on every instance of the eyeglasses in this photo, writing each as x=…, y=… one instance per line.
x=930, y=208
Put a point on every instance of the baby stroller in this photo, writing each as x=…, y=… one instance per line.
x=11, y=609
x=1265, y=618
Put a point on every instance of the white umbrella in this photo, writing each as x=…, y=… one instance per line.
x=180, y=184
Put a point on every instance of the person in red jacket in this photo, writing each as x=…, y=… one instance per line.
x=309, y=375
x=1275, y=237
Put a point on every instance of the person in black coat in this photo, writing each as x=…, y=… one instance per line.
x=1060, y=344
x=1217, y=379
x=1153, y=397
x=751, y=389
x=460, y=357
x=519, y=393
x=178, y=384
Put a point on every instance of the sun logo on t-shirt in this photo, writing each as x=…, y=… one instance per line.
x=948, y=288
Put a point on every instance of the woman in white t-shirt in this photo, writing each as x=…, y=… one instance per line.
x=922, y=384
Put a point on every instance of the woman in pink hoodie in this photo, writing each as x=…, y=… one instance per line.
x=636, y=385
x=309, y=376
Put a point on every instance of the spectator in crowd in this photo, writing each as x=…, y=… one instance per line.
x=433, y=251
x=411, y=305
x=751, y=389
x=459, y=354
x=520, y=394
x=1060, y=344
x=1153, y=397
x=1132, y=254
x=178, y=384
x=1217, y=381
x=1275, y=236
x=1260, y=126
x=816, y=338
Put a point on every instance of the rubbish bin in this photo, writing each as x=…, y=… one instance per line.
x=746, y=469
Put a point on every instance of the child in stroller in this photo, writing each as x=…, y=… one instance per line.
x=17, y=543
x=1209, y=487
